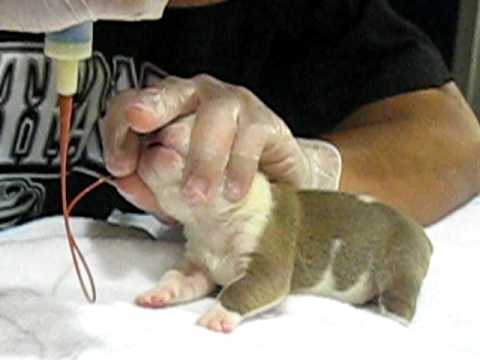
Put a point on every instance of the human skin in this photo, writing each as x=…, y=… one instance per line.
x=418, y=152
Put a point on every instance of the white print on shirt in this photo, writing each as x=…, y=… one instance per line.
x=29, y=130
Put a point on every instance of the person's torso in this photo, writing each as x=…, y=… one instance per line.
x=232, y=41
x=299, y=57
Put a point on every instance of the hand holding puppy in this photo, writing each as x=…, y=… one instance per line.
x=233, y=136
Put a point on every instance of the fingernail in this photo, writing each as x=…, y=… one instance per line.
x=129, y=197
x=196, y=190
x=141, y=107
x=148, y=100
x=233, y=191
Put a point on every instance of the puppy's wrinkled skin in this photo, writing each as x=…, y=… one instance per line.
x=277, y=241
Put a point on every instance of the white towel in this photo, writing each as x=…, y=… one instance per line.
x=43, y=314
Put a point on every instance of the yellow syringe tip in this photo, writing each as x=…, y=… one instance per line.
x=67, y=77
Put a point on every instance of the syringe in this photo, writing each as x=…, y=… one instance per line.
x=69, y=47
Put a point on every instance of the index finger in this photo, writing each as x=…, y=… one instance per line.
x=156, y=106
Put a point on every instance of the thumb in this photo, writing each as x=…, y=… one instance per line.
x=135, y=191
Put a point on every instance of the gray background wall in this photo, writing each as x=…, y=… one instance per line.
x=454, y=26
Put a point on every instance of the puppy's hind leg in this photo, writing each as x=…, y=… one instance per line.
x=399, y=299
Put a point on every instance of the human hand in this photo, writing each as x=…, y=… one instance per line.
x=53, y=15
x=234, y=134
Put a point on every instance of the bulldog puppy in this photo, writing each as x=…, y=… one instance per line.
x=279, y=240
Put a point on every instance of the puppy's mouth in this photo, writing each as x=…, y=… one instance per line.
x=163, y=153
x=154, y=143
x=172, y=138
x=153, y=140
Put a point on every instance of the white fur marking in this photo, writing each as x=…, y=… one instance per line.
x=393, y=316
x=223, y=237
x=358, y=293
x=366, y=198
x=337, y=244
x=262, y=308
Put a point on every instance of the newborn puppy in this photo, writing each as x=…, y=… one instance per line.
x=279, y=240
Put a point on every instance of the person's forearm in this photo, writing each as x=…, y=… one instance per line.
x=425, y=162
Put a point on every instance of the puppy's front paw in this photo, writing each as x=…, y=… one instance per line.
x=165, y=293
x=158, y=297
x=220, y=319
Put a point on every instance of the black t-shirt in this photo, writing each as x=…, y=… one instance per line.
x=312, y=61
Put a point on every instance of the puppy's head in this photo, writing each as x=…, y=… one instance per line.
x=162, y=163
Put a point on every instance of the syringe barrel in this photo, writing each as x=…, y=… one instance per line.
x=74, y=43
x=69, y=47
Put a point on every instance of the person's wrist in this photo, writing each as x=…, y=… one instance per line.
x=323, y=162
x=126, y=10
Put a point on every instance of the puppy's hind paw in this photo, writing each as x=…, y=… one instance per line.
x=220, y=319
